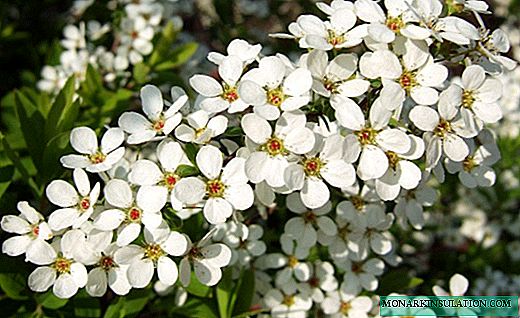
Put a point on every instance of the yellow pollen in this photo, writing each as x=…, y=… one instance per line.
x=443, y=127
x=407, y=80
x=330, y=85
x=366, y=136
x=98, y=157
x=292, y=261
x=215, y=188
x=62, y=265
x=273, y=146
x=468, y=99
x=199, y=132
x=153, y=252
x=170, y=180
x=468, y=164
x=158, y=125
x=288, y=300
x=275, y=97
x=393, y=159
x=230, y=93
x=395, y=24
x=345, y=307
x=358, y=202
x=334, y=38
x=312, y=166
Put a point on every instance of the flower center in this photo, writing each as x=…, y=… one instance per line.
x=330, y=85
x=134, y=215
x=312, y=166
x=230, y=93
x=468, y=164
x=334, y=38
x=199, y=132
x=62, y=265
x=356, y=267
x=288, y=300
x=393, y=159
x=98, y=157
x=215, y=188
x=158, y=125
x=309, y=217
x=292, y=261
x=153, y=252
x=35, y=231
x=366, y=136
x=395, y=24
x=106, y=263
x=274, y=146
x=345, y=307
x=358, y=202
x=314, y=282
x=134, y=35
x=443, y=127
x=468, y=99
x=194, y=253
x=275, y=97
x=84, y=204
x=454, y=6
x=407, y=81
x=170, y=179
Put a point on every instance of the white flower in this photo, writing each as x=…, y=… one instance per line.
x=269, y=160
x=475, y=169
x=337, y=33
x=417, y=76
x=74, y=37
x=302, y=228
x=370, y=139
x=217, y=96
x=311, y=172
x=272, y=88
x=201, y=128
x=360, y=275
x=154, y=254
x=491, y=46
x=63, y=272
x=92, y=157
x=137, y=36
x=478, y=97
x=142, y=129
x=129, y=212
x=340, y=305
x=322, y=280
x=458, y=287
x=402, y=172
x=409, y=207
x=335, y=77
x=207, y=259
x=107, y=272
x=442, y=132
x=371, y=233
x=29, y=226
x=147, y=173
x=239, y=48
x=225, y=189
x=292, y=261
x=383, y=27
x=287, y=305
x=76, y=205
x=245, y=241
x=53, y=78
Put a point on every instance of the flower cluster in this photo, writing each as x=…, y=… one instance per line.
x=112, y=47
x=337, y=147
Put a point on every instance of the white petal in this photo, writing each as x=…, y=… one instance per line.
x=176, y=244
x=167, y=271
x=41, y=279
x=256, y=128
x=65, y=286
x=300, y=140
x=207, y=274
x=109, y=220
x=79, y=274
x=15, y=224
x=97, y=282
x=190, y=190
x=62, y=218
x=205, y=85
x=217, y=255
x=152, y=198
x=424, y=118
x=455, y=148
x=140, y=273
x=315, y=193
x=209, y=160
x=84, y=140
x=373, y=163
x=16, y=245
x=217, y=210
x=458, y=285
x=118, y=193
x=62, y=193
x=145, y=172
x=241, y=197
x=473, y=77
x=81, y=181
x=394, y=140
x=133, y=123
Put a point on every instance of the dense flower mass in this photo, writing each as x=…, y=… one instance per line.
x=348, y=140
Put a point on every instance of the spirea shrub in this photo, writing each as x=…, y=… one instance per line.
x=328, y=153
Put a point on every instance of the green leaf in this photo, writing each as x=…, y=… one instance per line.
x=179, y=56
x=115, y=310
x=13, y=285
x=165, y=42
x=86, y=306
x=233, y=132
x=197, y=308
x=398, y=281
x=141, y=72
x=191, y=152
x=60, y=106
x=6, y=176
x=243, y=292
x=197, y=288
x=31, y=124
x=223, y=292
x=136, y=301
x=186, y=171
x=50, y=301
x=54, y=149
x=67, y=120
